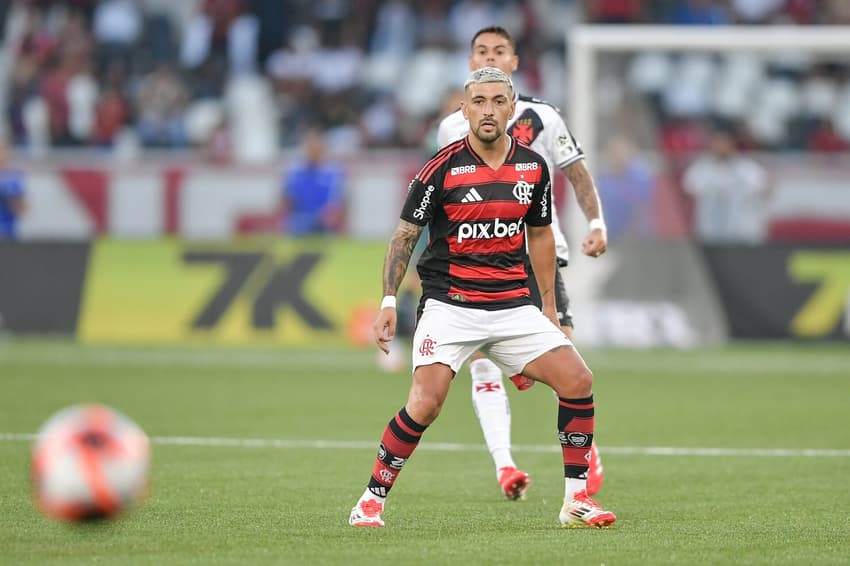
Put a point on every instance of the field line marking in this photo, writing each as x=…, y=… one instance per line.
x=737, y=363
x=458, y=447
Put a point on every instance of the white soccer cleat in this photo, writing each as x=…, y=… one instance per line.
x=582, y=511
x=367, y=513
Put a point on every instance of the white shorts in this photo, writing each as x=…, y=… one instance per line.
x=513, y=337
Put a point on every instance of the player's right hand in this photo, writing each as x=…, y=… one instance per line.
x=384, y=328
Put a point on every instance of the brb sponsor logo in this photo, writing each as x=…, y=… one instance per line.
x=423, y=204
x=463, y=170
x=487, y=230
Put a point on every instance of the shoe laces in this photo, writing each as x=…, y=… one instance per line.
x=583, y=498
x=372, y=507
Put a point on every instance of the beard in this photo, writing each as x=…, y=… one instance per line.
x=487, y=137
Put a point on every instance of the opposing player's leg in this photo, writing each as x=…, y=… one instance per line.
x=490, y=401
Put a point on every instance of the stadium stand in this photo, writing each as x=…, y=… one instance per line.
x=243, y=79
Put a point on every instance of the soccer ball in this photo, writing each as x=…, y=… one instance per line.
x=89, y=462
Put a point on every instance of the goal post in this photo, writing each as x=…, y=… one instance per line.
x=585, y=42
x=590, y=281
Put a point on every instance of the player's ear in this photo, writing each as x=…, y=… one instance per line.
x=514, y=63
x=464, y=109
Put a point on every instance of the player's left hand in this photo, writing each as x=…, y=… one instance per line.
x=384, y=328
x=552, y=314
x=596, y=243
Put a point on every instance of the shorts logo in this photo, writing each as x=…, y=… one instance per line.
x=426, y=348
x=522, y=192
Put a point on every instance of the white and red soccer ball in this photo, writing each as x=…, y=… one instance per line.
x=89, y=462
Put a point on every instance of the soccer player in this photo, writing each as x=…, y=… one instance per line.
x=540, y=126
x=480, y=196
x=12, y=201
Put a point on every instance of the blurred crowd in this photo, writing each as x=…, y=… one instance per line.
x=252, y=76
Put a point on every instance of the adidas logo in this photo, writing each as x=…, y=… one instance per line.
x=472, y=196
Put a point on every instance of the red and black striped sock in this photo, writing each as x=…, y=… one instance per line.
x=397, y=444
x=575, y=431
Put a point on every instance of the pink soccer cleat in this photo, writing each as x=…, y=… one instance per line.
x=594, y=471
x=522, y=383
x=514, y=482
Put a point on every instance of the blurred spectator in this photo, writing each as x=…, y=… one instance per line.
x=112, y=111
x=161, y=104
x=12, y=200
x=729, y=191
x=698, y=13
x=756, y=11
x=313, y=196
x=393, y=24
x=336, y=64
x=627, y=190
x=117, y=26
x=824, y=138
x=613, y=11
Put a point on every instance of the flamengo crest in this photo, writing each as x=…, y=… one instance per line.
x=522, y=192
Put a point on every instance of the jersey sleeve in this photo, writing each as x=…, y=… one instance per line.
x=443, y=133
x=421, y=202
x=540, y=211
x=451, y=128
x=560, y=142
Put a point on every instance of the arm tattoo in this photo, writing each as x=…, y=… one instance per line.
x=586, y=194
x=398, y=255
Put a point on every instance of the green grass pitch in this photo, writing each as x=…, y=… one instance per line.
x=777, y=490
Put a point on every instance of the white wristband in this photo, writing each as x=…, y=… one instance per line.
x=596, y=223
x=388, y=302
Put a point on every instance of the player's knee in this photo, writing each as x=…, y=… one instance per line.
x=425, y=408
x=584, y=379
x=576, y=383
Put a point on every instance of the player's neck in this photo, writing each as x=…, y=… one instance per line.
x=492, y=153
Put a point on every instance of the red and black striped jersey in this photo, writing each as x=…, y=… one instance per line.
x=476, y=219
